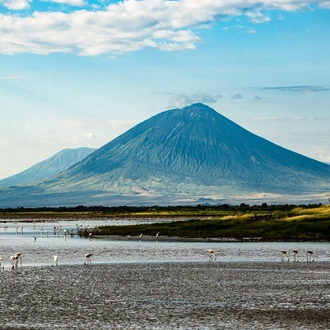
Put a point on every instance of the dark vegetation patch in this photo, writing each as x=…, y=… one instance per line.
x=315, y=229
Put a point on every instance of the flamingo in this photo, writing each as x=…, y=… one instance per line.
x=283, y=254
x=55, y=260
x=295, y=255
x=211, y=255
x=14, y=260
x=88, y=258
x=309, y=255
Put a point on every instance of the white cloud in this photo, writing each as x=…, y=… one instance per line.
x=15, y=4
x=181, y=100
x=78, y=3
x=258, y=17
x=251, y=31
x=127, y=25
x=325, y=4
x=89, y=135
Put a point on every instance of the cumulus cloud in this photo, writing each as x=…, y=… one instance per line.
x=15, y=4
x=127, y=25
x=181, y=100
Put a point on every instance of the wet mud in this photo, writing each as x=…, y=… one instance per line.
x=171, y=295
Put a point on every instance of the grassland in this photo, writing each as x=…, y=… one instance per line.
x=305, y=223
x=262, y=222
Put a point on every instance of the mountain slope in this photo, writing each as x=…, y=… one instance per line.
x=49, y=167
x=183, y=154
x=197, y=145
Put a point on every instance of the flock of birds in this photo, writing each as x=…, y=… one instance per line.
x=16, y=259
x=285, y=255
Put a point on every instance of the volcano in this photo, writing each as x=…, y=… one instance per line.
x=179, y=156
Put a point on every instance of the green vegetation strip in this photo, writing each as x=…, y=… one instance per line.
x=306, y=229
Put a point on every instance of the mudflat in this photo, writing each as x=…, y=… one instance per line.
x=172, y=295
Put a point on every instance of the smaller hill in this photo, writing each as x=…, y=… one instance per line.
x=49, y=167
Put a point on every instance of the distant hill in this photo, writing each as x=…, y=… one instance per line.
x=180, y=156
x=49, y=167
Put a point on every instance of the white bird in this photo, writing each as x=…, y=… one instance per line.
x=90, y=236
x=309, y=255
x=211, y=255
x=14, y=260
x=88, y=258
x=295, y=255
x=55, y=260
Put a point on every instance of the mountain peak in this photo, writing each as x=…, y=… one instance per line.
x=181, y=154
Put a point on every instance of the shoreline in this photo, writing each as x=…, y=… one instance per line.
x=198, y=239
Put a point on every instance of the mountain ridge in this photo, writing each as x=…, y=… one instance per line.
x=48, y=167
x=183, y=155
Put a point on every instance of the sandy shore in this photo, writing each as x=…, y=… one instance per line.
x=231, y=295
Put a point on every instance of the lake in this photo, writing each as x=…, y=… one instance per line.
x=152, y=284
x=71, y=249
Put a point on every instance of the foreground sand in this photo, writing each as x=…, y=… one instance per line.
x=231, y=295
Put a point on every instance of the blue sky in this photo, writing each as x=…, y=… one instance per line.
x=79, y=73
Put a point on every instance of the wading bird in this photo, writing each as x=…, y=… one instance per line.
x=55, y=260
x=211, y=254
x=284, y=254
x=1, y=264
x=88, y=259
x=310, y=254
x=295, y=255
x=14, y=260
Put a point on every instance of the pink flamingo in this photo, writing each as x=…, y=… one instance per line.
x=88, y=258
x=309, y=255
x=295, y=255
x=211, y=255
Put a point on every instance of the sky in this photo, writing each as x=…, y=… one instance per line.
x=78, y=73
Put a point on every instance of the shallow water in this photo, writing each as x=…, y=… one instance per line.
x=71, y=249
x=151, y=284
